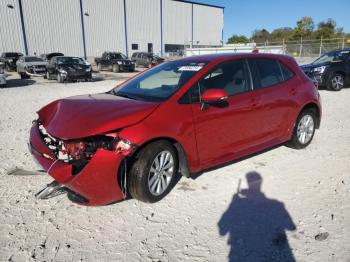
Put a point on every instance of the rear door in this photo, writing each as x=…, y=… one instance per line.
x=275, y=88
x=227, y=128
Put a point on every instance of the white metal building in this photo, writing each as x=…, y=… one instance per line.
x=89, y=27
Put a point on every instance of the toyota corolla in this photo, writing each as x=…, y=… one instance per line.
x=179, y=118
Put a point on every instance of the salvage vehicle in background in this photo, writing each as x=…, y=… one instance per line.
x=2, y=75
x=181, y=117
x=115, y=62
x=31, y=66
x=10, y=59
x=47, y=57
x=68, y=68
x=146, y=59
x=331, y=70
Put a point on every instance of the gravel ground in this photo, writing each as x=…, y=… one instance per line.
x=301, y=212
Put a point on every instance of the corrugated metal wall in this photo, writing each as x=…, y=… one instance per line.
x=10, y=33
x=104, y=26
x=143, y=24
x=208, y=23
x=56, y=25
x=177, y=22
x=53, y=26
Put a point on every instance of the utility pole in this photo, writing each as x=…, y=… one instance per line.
x=301, y=46
x=321, y=46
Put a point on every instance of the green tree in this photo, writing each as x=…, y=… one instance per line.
x=328, y=29
x=260, y=36
x=304, y=28
x=283, y=33
x=237, y=39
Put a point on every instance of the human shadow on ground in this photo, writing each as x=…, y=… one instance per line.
x=256, y=225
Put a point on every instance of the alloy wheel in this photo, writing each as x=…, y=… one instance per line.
x=305, y=129
x=337, y=82
x=161, y=173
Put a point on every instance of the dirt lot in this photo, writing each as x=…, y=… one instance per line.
x=301, y=212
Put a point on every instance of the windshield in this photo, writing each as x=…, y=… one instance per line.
x=13, y=54
x=332, y=57
x=118, y=56
x=161, y=82
x=70, y=60
x=33, y=59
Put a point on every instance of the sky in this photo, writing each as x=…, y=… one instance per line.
x=242, y=17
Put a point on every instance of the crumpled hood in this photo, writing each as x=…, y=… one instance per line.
x=87, y=115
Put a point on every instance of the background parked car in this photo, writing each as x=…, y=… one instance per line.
x=10, y=59
x=331, y=70
x=146, y=59
x=31, y=65
x=115, y=62
x=47, y=57
x=67, y=68
x=2, y=75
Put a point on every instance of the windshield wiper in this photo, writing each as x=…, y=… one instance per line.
x=125, y=95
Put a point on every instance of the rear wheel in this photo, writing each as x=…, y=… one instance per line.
x=336, y=83
x=304, y=129
x=48, y=76
x=154, y=172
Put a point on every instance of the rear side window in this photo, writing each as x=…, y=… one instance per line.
x=269, y=72
x=287, y=74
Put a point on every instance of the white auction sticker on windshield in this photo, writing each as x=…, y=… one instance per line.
x=190, y=68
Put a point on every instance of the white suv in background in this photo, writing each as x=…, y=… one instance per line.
x=2, y=75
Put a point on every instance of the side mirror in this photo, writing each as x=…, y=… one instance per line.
x=213, y=96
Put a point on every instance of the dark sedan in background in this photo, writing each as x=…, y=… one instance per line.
x=68, y=68
x=331, y=70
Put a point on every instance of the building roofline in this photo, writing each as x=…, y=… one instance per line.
x=196, y=3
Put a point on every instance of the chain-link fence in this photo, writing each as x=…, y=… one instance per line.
x=308, y=48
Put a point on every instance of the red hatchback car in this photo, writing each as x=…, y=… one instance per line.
x=180, y=117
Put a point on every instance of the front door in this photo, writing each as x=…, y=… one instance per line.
x=229, y=128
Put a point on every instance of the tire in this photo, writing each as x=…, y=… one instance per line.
x=304, y=130
x=147, y=183
x=99, y=67
x=48, y=76
x=115, y=68
x=336, y=83
x=24, y=76
x=59, y=78
x=8, y=68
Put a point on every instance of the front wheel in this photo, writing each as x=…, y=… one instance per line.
x=304, y=129
x=336, y=83
x=115, y=68
x=154, y=172
x=60, y=78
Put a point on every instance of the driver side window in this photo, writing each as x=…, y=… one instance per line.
x=232, y=76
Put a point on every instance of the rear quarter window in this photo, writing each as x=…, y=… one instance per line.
x=287, y=74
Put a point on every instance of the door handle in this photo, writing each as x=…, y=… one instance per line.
x=293, y=90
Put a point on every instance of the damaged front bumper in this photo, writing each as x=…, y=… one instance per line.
x=95, y=184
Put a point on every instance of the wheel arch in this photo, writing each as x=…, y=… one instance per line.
x=313, y=106
x=184, y=168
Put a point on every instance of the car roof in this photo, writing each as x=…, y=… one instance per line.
x=227, y=56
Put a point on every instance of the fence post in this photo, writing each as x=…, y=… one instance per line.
x=343, y=44
x=301, y=46
x=283, y=47
x=321, y=46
